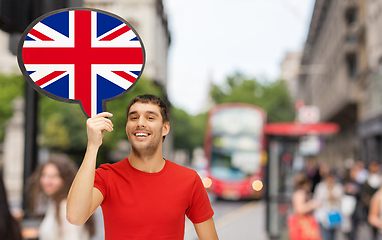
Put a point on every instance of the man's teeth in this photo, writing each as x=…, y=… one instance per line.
x=141, y=134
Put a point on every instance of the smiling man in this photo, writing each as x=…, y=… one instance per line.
x=143, y=196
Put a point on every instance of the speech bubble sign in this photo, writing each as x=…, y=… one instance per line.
x=81, y=55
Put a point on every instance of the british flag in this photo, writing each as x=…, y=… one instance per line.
x=82, y=55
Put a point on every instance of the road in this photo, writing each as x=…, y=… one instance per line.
x=245, y=220
x=242, y=220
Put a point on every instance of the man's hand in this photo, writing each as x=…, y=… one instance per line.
x=96, y=127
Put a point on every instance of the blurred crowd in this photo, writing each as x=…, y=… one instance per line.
x=340, y=203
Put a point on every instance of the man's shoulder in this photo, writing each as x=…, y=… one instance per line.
x=182, y=170
x=112, y=166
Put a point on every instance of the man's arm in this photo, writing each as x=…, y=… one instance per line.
x=206, y=230
x=83, y=198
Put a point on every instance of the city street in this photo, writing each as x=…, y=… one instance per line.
x=235, y=220
x=245, y=220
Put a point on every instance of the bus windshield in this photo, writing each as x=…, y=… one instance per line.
x=236, y=142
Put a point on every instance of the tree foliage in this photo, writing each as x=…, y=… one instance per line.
x=11, y=86
x=273, y=97
x=188, y=130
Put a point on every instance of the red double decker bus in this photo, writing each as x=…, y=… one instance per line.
x=234, y=146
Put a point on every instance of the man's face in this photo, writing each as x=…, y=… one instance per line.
x=145, y=128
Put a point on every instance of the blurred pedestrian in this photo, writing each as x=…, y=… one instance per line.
x=362, y=172
x=369, y=188
x=302, y=197
x=51, y=182
x=9, y=227
x=375, y=213
x=329, y=193
x=302, y=224
x=352, y=215
x=323, y=170
x=312, y=170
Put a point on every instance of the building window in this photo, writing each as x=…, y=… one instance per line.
x=351, y=63
x=351, y=16
x=351, y=38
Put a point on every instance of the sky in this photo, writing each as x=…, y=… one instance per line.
x=212, y=39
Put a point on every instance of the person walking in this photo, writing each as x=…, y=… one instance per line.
x=351, y=204
x=369, y=188
x=50, y=183
x=329, y=193
x=302, y=197
x=301, y=224
x=143, y=196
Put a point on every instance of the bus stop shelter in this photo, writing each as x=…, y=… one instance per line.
x=283, y=140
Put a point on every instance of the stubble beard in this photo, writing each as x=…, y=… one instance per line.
x=147, y=151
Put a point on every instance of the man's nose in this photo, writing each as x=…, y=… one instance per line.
x=141, y=122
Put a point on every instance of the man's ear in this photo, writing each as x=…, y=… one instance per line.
x=165, y=128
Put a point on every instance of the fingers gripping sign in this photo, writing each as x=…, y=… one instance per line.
x=81, y=55
x=96, y=127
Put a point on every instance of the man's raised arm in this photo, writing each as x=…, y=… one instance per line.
x=83, y=199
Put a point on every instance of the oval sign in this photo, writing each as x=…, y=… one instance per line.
x=81, y=55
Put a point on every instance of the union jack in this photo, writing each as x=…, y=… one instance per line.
x=82, y=55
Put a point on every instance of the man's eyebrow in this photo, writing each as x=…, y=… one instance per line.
x=149, y=112
x=133, y=112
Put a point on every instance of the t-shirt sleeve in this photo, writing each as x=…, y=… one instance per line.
x=200, y=209
x=100, y=179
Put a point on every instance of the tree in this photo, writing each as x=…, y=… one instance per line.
x=188, y=130
x=273, y=97
x=11, y=86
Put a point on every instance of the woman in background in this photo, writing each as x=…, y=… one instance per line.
x=302, y=197
x=301, y=224
x=51, y=182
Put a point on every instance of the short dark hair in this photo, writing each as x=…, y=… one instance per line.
x=149, y=98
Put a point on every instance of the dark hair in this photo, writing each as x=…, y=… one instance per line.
x=149, y=98
x=9, y=227
x=67, y=169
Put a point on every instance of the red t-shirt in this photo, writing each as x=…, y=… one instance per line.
x=140, y=205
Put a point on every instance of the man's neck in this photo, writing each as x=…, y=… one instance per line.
x=150, y=164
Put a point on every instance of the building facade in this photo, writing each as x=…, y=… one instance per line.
x=290, y=70
x=8, y=61
x=370, y=125
x=335, y=70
